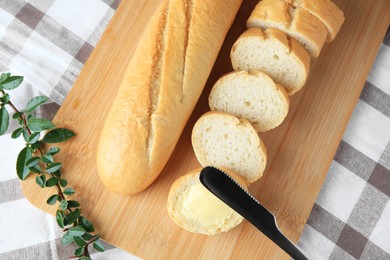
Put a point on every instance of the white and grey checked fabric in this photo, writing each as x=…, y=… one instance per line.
x=48, y=41
x=351, y=218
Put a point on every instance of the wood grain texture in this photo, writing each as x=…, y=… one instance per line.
x=300, y=150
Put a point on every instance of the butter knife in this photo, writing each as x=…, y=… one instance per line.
x=230, y=192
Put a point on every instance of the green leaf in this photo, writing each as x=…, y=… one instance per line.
x=79, y=241
x=76, y=231
x=5, y=98
x=36, y=145
x=69, y=191
x=51, y=182
x=60, y=219
x=4, y=120
x=53, y=167
x=85, y=258
x=73, y=204
x=87, y=236
x=53, y=150
x=98, y=246
x=15, y=134
x=40, y=180
x=53, y=199
x=12, y=82
x=86, y=224
x=57, y=135
x=17, y=115
x=25, y=135
x=63, y=205
x=33, y=161
x=35, y=169
x=39, y=124
x=33, y=138
x=57, y=173
x=78, y=251
x=34, y=103
x=67, y=239
x=4, y=76
x=47, y=158
x=63, y=183
x=72, y=217
x=21, y=168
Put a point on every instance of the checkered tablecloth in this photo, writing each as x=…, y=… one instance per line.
x=49, y=41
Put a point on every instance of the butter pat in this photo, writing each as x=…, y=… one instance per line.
x=201, y=205
x=196, y=209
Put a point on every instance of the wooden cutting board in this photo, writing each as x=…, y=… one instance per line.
x=300, y=150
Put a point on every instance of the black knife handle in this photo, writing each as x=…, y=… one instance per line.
x=230, y=192
x=283, y=242
x=264, y=221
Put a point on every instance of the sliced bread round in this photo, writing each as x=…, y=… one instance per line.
x=252, y=95
x=294, y=21
x=273, y=52
x=222, y=140
x=194, y=208
x=326, y=11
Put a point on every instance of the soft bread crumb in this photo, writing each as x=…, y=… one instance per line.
x=223, y=140
x=271, y=51
x=252, y=95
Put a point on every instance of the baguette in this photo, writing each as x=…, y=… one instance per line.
x=160, y=88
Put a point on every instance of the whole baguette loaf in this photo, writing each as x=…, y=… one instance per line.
x=160, y=88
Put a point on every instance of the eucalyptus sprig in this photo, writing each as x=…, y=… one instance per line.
x=33, y=159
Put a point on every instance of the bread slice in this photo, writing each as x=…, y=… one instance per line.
x=194, y=208
x=222, y=140
x=295, y=22
x=252, y=95
x=273, y=52
x=326, y=11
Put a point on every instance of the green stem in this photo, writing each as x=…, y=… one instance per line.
x=59, y=189
x=23, y=117
x=86, y=252
x=12, y=105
